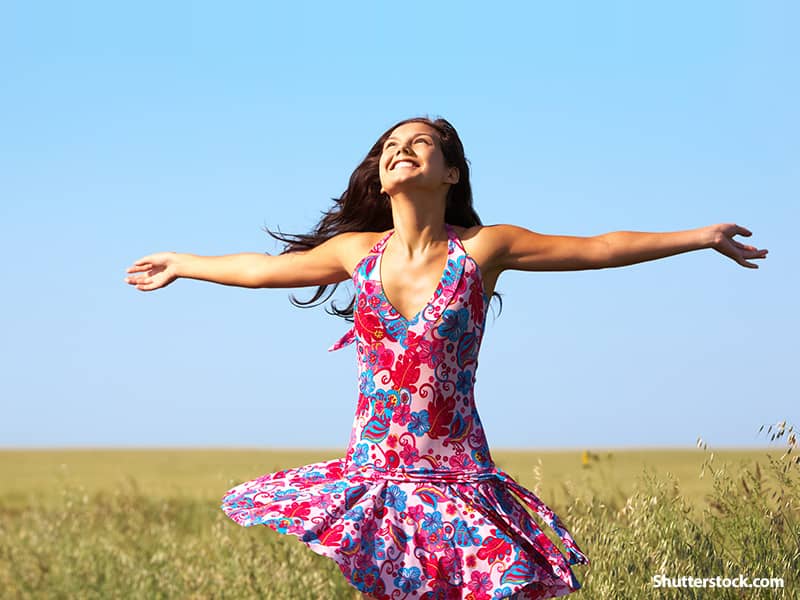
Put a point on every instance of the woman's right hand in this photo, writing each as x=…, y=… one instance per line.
x=160, y=268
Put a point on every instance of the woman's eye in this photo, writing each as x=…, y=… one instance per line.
x=424, y=141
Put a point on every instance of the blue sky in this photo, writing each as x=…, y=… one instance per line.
x=133, y=129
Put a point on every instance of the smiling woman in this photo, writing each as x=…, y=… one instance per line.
x=417, y=507
x=418, y=463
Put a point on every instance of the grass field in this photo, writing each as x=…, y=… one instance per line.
x=146, y=523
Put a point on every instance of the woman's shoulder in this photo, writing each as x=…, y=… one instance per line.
x=357, y=244
x=479, y=241
x=361, y=242
x=487, y=244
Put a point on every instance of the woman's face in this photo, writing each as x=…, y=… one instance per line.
x=412, y=158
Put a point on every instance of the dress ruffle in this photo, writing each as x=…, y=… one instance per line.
x=453, y=532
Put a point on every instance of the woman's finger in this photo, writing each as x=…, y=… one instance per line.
x=756, y=253
x=745, y=246
x=142, y=264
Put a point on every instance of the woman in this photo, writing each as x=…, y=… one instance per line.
x=417, y=508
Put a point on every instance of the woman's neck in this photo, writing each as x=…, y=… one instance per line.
x=416, y=226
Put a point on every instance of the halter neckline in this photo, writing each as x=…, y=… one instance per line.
x=439, y=286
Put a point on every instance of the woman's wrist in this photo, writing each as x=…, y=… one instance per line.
x=181, y=264
x=708, y=236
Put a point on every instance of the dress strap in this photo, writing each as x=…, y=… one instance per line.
x=350, y=336
x=379, y=245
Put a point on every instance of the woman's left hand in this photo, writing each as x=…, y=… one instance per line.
x=722, y=241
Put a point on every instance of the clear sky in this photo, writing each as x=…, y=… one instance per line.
x=150, y=126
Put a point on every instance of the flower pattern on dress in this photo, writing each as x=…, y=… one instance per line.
x=417, y=508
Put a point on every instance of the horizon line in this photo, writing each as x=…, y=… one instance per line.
x=155, y=447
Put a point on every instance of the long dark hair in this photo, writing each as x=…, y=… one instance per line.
x=363, y=207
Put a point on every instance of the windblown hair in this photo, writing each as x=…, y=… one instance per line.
x=363, y=207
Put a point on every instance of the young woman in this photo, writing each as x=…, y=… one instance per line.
x=417, y=508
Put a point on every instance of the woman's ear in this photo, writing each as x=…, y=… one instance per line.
x=453, y=175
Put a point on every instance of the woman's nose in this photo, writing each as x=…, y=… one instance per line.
x=405, y=148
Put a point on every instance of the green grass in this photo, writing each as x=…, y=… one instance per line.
x=146, y=523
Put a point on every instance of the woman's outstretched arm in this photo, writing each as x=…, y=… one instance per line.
x=629, y=247
x=327, y=263
x=514, y=247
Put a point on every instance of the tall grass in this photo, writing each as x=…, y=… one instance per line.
x=128, y=544
x=749, y=525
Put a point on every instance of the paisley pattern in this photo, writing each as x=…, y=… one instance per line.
x=417, y=508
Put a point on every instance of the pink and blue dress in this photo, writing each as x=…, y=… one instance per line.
x=417, y=508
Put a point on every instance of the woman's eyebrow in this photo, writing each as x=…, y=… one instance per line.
x=394, y=137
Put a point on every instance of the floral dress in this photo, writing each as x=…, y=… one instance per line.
x=417, y=509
